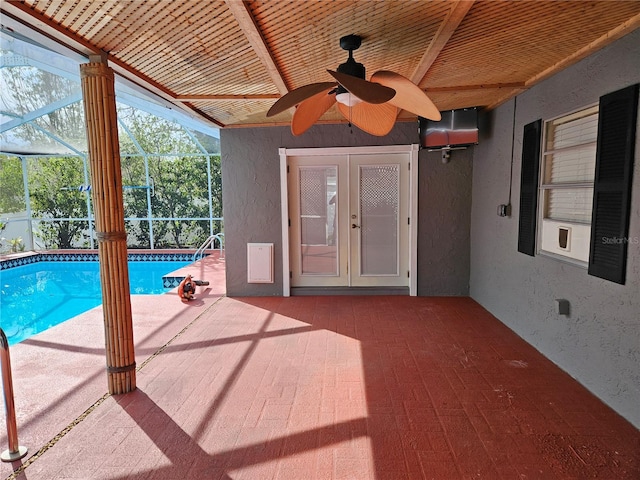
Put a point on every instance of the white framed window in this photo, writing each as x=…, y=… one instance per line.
x=566, y=185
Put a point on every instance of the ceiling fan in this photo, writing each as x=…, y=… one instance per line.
x=370, y=105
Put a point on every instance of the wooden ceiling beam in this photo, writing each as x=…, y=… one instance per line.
x=200, y=98
x=247, y=24
x=483, y=86
x=458, y=11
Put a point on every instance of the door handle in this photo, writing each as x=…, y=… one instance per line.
x=353, y=225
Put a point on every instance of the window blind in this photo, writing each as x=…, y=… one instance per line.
x=569, y=166
x=570, y=204
x=573, y=130
x=576, y=165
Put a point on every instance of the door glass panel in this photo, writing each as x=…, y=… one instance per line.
x=318, y=225
x=379, y=204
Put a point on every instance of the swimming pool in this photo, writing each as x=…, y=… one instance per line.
x=37, y=296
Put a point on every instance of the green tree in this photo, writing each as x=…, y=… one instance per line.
x=53, y=187
x=179, y=183
x=11, y=185
x=180, y=191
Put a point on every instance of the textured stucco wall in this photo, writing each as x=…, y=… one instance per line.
x=251, y=199
x=444, y=212
x=599, y=342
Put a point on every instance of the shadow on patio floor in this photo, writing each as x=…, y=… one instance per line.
x=346, y=387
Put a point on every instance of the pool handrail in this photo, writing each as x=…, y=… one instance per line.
x=208, y=243
x=15, y=451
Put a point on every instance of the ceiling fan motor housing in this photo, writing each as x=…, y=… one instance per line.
x=353, y=68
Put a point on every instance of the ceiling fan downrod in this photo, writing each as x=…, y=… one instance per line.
x=351, y=67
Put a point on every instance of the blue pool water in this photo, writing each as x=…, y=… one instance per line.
x=40, y=295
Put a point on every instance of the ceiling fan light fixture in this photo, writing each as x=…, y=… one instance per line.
x=347, y=99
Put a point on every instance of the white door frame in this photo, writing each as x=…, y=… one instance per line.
x=412, y=150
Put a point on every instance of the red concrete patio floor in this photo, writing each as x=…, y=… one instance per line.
x=310, y=388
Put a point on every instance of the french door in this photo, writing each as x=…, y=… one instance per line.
x=349, y=219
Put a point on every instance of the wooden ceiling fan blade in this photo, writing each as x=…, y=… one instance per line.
x=374, y=119
x=294, y=97
x=310, y=110
x=408, y=95
x=367, y=91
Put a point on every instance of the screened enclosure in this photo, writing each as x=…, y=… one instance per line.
x=170, y=160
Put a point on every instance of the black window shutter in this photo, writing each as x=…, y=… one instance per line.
x=612, y=184
x=529, y=187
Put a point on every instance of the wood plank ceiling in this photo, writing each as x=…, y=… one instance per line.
x=228, y=61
